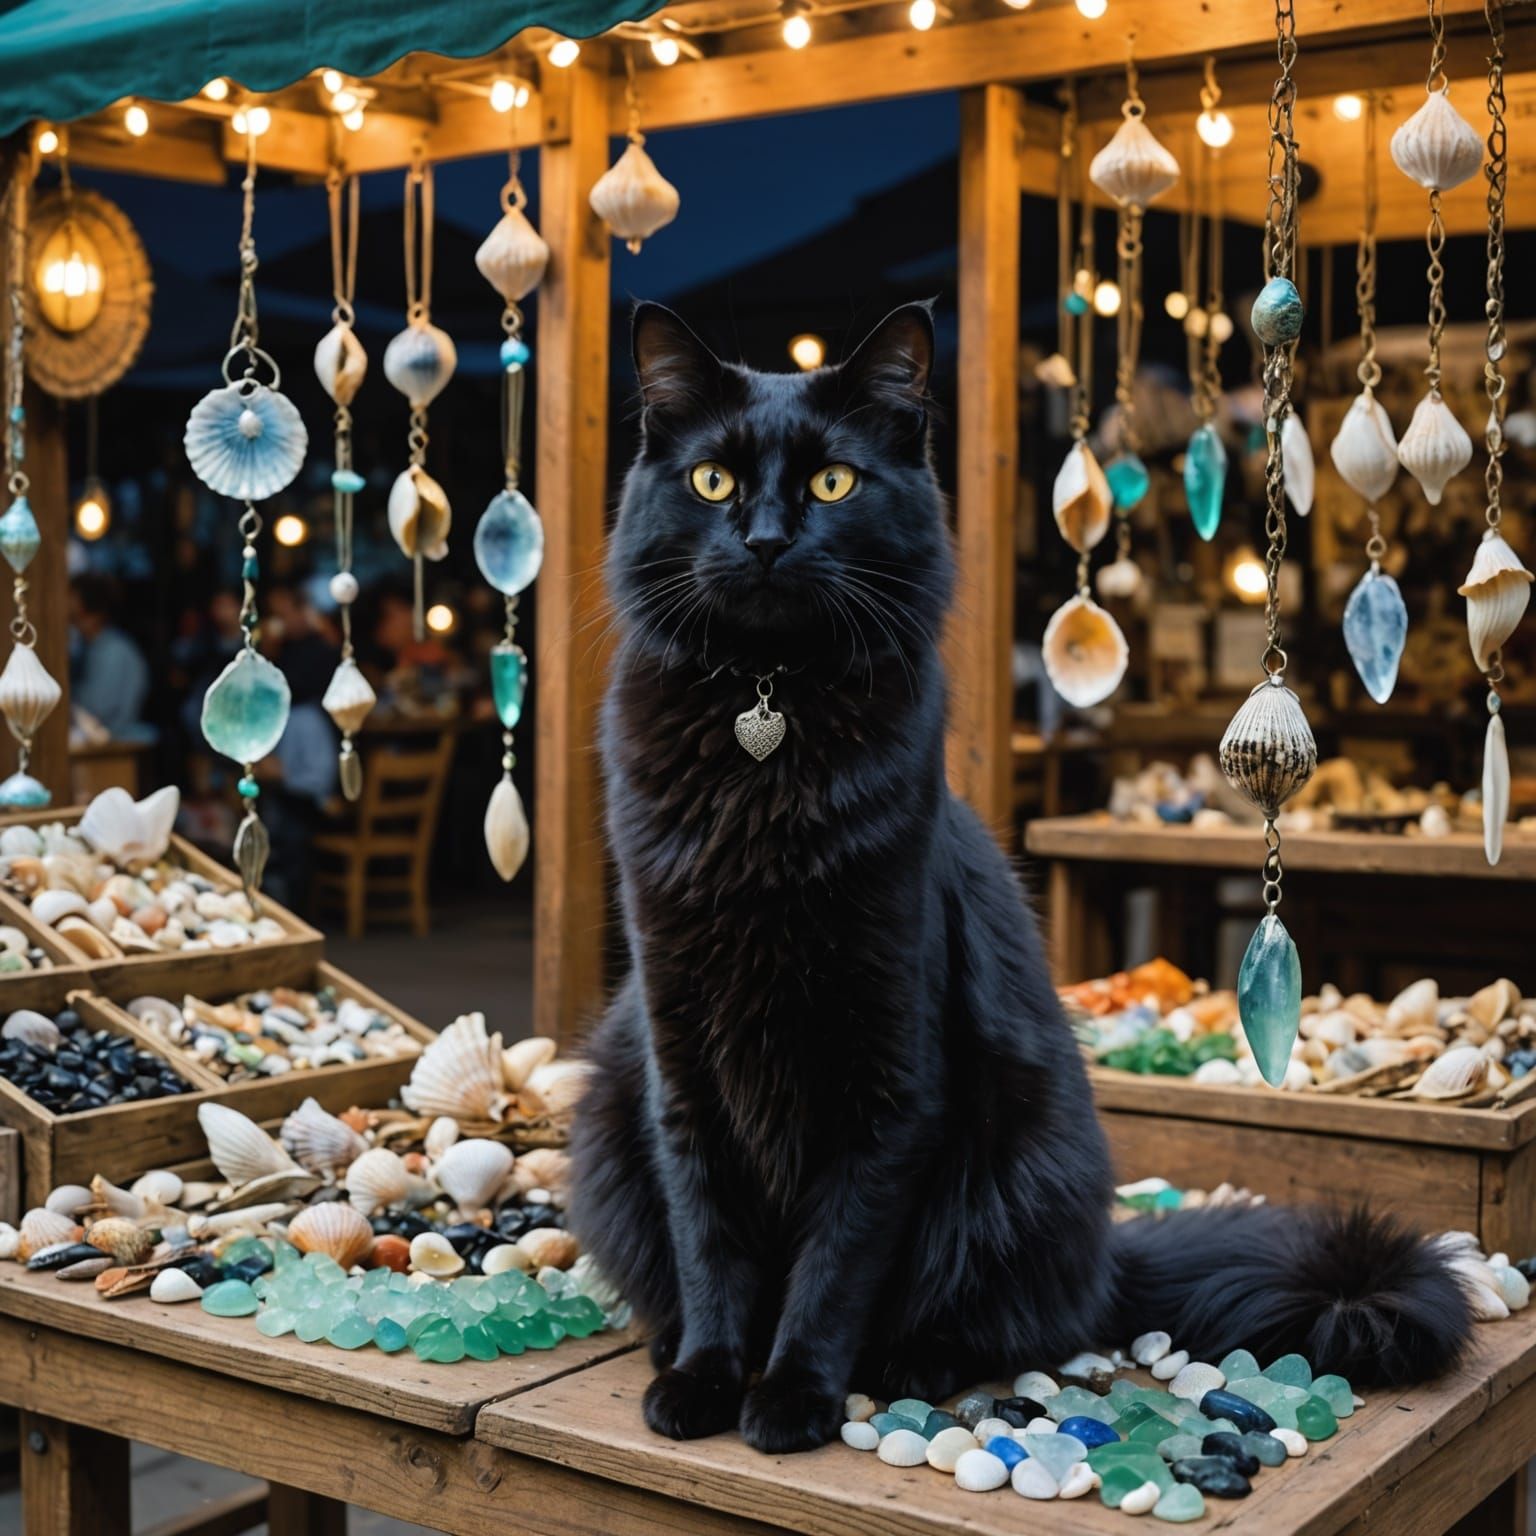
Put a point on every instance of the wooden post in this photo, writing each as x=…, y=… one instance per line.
x=296, y=1512
x=74, y=1482
x=572, y=374
x=987, y=448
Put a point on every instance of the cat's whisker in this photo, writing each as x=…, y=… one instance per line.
x=901, y=655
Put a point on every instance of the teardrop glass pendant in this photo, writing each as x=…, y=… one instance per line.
x=245, y=710
x=1205, y=479
x=1375, y=631
x=509, y=682
x=1128, y=480
x=509, y=542
x=1269, y=998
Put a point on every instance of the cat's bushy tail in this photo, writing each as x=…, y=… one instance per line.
x=1352, y=1291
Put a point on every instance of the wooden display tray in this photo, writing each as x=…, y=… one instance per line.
x=66, y=959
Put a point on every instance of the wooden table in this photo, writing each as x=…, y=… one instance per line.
x=552, y=1444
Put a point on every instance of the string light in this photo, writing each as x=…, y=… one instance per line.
x=1348, y=109
x=1176, y=305
x=136, y=121
x=1018, y=5
x=343, y=101
x=1247, y=578
x=441, y=619
x=1215, y=128
x=1106, y=298
x=922, y=14
x=797, y=26
x=1092, y=9
x=332, y=80
x=252, y=120
x=352, y=120
x=47, y=141
x=217, y=89
x=808, y=351
x=93, y=513
x=665, y=50
x=1221, y=325
x=290, y=530
x=565, y=52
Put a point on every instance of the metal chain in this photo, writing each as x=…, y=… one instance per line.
x=1497, y=171
x=1082, y=362
x=1368, y=370
x=1214, y=278
x=243, y=335
x=1128, y=247
x=1064, y=168
x=343, y=197
x=418, y=250
x=632, y=98
x=1435, y=236
x=17, y=481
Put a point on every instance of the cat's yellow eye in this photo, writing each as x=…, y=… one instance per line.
x=833, y=483
x=714, y=482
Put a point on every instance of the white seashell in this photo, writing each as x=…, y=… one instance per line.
x=84, y=934
x=558, y=1085
x=1495, y=788
x=1119, y=579
x=318, y=1140
x=248, y=1218
x=472, y=1171
x=1139, y=1500
x=340, y=363
x=1364, y=450
x=1085, y=653
x=1514, y=1288
x=1487, y=1305
x=1081, y=499
x=512, y=258
x=1437, y=147
x=1133, y=168
x=1497, y=590
x=441, y=1135
x=35, y=1028
x=432, y=1254
x=28, y=695
x=1268, y=751
x=1056, y=371
x=980, y=1471
x=903, y=1448
x=1415, y=1008
x=115, y=1200
x=21, y=843
x=633, y=198
x=348, y=696
x=1035, y=1384
x=546, y=1168
x=419, y=514
x=240, y=1149
x=42, y=1228
x=1170, y=1365
x=49, y=906
x=158, y=1187
x=860, y=1408
x=504, y=1257
x=551, y=1247
x=1149, y=1348
x=333, y=1228
x=245, y=441
x=459, y=1074
x=1080, y=1479
x=520, y=1058
x=1296, y=461
x=506, y=829
x=1435, y=447
x=10, y=1240
x=173, y=1285
x=860, y=1435
x=1217, y=1070
x=419, y=362
x=990, y=1429
x=1195, y=1380
x=68, y=1200
x=1454, y=1075
x=377, y=1179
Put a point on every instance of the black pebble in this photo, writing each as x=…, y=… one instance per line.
x=1018, y=1411
x=1217, y=1404
x=1213, y=1475
x=247, y=1269
x=1230, y=1447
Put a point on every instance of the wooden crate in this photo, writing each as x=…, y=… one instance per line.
x=66, y=958
x=1437, y=1168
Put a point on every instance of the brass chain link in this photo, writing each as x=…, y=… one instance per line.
x=1496, y=169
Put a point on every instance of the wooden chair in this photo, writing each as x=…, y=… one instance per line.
x=396, y=823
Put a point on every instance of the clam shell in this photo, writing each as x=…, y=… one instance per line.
x=1435, y=447
x=443, y=1132
x=349, y=696
x=173, y=1285
x=1085, y=653
x=88, y=938
x=333, y=1228
x=1364, y=450
x=1497, y=590
x=550, y=1247
x=1300, y=469
x=1454, y=1075
x=41, y=1228
x=240, y=1149
x=459, y=1074
x=1081, y=499
x=28, y=695
x=125, y=1240
x=543, y=1168
x=158, y=1187
x=506, y=829
x=522, y=1056
x=419, y=361
x=1437, y=147
x=376, y=1179
x=341, y=364
x=1195, y=1380
x=1268, y=751
x=51, y=905
x=69, y=1200
x=432, y=1254
x=35, y=1028
x=473, y=1171
x=505, y=1256
x=1492, y=1004
x=512, y=258
x=1134, y=168
x=127, y=833
x=633, y=198
x=1495, y=788
x=245, y=441
x=1414, y=1009
x=316, y=1139
x=419, y=514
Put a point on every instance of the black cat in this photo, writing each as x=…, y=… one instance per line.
x=839, y=1132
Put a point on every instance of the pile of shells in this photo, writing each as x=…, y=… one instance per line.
x=18, y=954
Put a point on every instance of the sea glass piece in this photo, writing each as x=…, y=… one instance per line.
x=1205, y=479
x=245, y=710
x=230, y=1298
x=19, y=536
x=388, y=1335
x=581, y=1317
x=1128, y=480
x=509, y=682
x=351, y=1331
x=21, y=792
x=1238, y=1364
x=509, y=542
x=1375, y=630
x=1290, y=1371
x=1315, y=1419
x=1337, y=1393
x=478, y=1343
x=1269, y=997
x=1182, y=1503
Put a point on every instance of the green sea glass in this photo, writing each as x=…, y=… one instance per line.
x=1205, y=479
x=230, y=1298
x=1182, y=1503
x=1237, y=1365
x=245, y=710
x=1269, y=997
x=1315, y=1419
x=1128, y=480
x=388, y=1336
x=1290, y=1371
x=509, y=682
x=1337, y=1393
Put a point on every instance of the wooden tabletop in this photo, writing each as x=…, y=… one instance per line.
x=1481, y=1416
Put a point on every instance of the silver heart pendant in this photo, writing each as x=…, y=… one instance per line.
x=760, y=730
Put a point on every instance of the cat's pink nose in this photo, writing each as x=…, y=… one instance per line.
x=767, y=547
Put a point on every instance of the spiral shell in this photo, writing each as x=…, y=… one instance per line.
x=349, y=696
x=1497, y=590
x=1435, y=447
x=459, y=1074
x=512, y=258
x=334, y=1229
x=245, y=441
x=1437, y=147
x=506, y=829
x=319, y=1140
x=36, y=1029
x=341, y=364
x=419, y=514
x=240, y=1149
x=633, y=198
x=419, y=361
x=1268, y=751
x=1296, y=461
x=1134, y=168
x=1084, y=652
x=377, y=1179
x=1364, y=450
x=1081, y=499
x=1495, y=788
x=471, y=1172
x=432, y=1254
x=28, y=695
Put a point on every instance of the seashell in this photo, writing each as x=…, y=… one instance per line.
x=1435, y=447
x=128, y=834
x=341, y=364
x=110, y=1200
x=441, y=1135
x=1195, y=1380
x=61, y=1255
x=1495, y=788
x=506, y=828
x=333, y=1228
x=21, y=842
x=503, y=1257
x=1454, y=1075
x=130, y=938
x=1336, y=1029
x=173, y=1285
x=250, y=1218
x=125, y=1240
x=286, y=1184
x=317, y=1140
x=1437, y=147
x=1497, y=590
x=35, y=1028
x=473, y=1171
x=633, y=198
x=419, y=514
x=103, y=912
x=1494, y=1003
x=549, y=1247
x=1133, y=168
x=42, y=1228
x=1081, y=499
x=68, y=1200
x=348, y=696
x=245, y=441
x=1364, y=450
x=158, y=1187
x=432, y=1254
x=87, y=938
x=459, y=1074
x=558, y=1085
x=391, y=1251
x=240, y=1149
x=419, y=362
x=1056, y=372
x=1268, y=751
x=84, y=1268
x=124, y=893
x=28, y=694
x=30, y=874
x=520, y=1058
x=1217, y=1070
x=377, y=1179
x=10, y=1240
x=512, y=258
x=1415, y=1008
x=51, y=905
x=1119, y=579
x=1085, y=653
x=1297, y=464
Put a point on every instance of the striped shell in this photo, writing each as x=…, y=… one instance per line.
x=42, y=1228
x=1454, y=1075
x=377, y=1179
x=419, y=362
x=340, y=363
x=459, y=1074
x=1497, y=590
x=512, y=258
x=28, y=694
x=240, y=1149
x=472, y=1171
x=1364, y=450
x=1080, y=499
x=1134, y=168
x=319, y=1140
x=633, y=198
x=245, y=441
x=334, y=1229
x=1435, y=448
x=1268, y=751
x=1437, y=147
x=349, y=696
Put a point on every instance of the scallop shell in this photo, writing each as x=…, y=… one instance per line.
x=1134, y=168
x=432, y=1254
x=1454, y=1075
x=35, y=1028
x=550, y=1247
x=68, y=1199
x=318, y=1140
x=1085, y=653
x=1268, y=751
x=1437, y=147
x=506, y=829
x=1364, y=450
x=42, y=1228
x=28, y=695
x=419, y=362
x=333, y=1228
x=1297, y=463
x=633, y=198
x=240, y=1149
x=245, y=441
x=1435, y=447
x=88, y=938
x=419, y=514
x=459, y=1074
x=341, y=364
x=1497, y=590
x=377, y=1179
x=512, y=258
x=473, y=1171
x=520, y=1058
x=173, y=1285
x=1081, y=499
x=125, y=1240
x=348, y=696
x=441, y=1135
x=1495, y=788
x=158, y=1187
x=558, y=1085
x=51, y=905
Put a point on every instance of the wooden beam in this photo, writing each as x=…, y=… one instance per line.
x=980, y=645
x=235, y=1513
x=570, y=906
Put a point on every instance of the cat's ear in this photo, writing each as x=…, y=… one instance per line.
x=893, y=363
x=677, y=372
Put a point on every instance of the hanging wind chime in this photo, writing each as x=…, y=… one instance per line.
x=247, y=441
x=509, y=538
x=419, y=362
x=341, y=365
x=1205, y=455
x=1498, y=587
x=28, y=694
x=1268, y=752
x=1364, y=452
x=632, y=197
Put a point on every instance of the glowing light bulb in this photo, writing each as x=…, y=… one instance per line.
x=1092, y=9
x=1106, y=298
x=441, y=619
x=343, y=101
x=1215, y=128
x=565, y=53
x=808, y=351
x=352, y=120
x=260, y=120
x=1248, y=579
x=797, y=31
x=1221, y=325
x=665, y=50
x=1348, y=109
x=290, y=530
x=217, y=89
x=503, y=96
x=1176, y=305
x=332, y=80
x=1196, y=322
x=136, y=121
x=93, y=514
x=922, y=14
x=47, y=141
x=1018, y=5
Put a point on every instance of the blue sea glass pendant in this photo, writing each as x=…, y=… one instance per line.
x=509, y=542
x=21, y=792
x=1269, y=998
x=245, y=710
x=1375, y=631
x=1128, y=480
x=19, y=536
x=1205, y=479
x=509, y=681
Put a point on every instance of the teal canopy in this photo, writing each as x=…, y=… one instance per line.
x=63, y=59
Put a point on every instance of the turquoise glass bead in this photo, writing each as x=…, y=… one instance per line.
x=1128, y=480
x=347, y=481
x=1269, y=997
x=21, y=792
x=1375, y=632
x=1205, y=479
x=245, y=710
x=19, y=538
x=514, y=352
x=250, y=568
x=509, y=542
x=1075, y=304
x=509, y=682
x=1278, y=312
x=249, y=788
x=18, y=414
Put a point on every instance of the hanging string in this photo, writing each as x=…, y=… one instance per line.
x=1128, y=320
x=17, y=482
x=1368, y=370
x=1496, y=169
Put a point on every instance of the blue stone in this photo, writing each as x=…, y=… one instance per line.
x=1205, y=479
x=1375, y=631
x=1128, y=480
x=1278, y=312
x=1075, y=304
x=509, y=542
x=18, y=414
x=514, y=352
x=19, y=538
x=245, y=710
x=1269, y=1002
x=509, y=681
x=1248, y=1417
x=21, y=792
x=1090, y=1431
x=347, y=481
x=1006, y=1449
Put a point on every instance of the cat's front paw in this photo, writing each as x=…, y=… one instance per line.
x=697, y=1397
x=791, y=1410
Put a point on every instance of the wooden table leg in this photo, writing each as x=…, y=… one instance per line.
x=1502, y=1513
x=74, y=1482
x=296, y=1512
